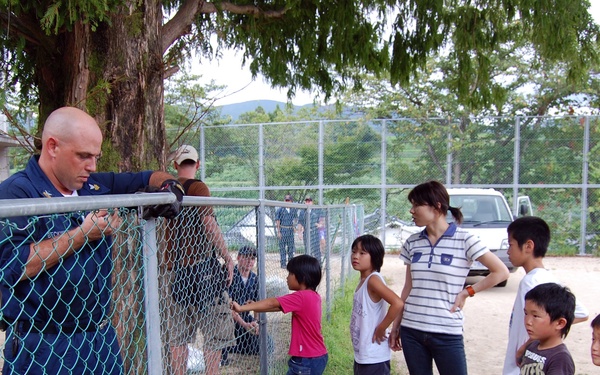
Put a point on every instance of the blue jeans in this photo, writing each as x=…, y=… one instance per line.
x=307, y=366
x=448, y=352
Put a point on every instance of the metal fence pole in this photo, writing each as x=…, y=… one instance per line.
x=584, y=185
x=262, y=286
x=329, y=295
x=449, y=159
x=261, y=161
x=516, y=166
x=383, y=190
x=343, y=242
x=151, y=298
x=321, y=159
x=202, y=154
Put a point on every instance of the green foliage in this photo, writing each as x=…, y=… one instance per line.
x=322, y=44
x=188, y=105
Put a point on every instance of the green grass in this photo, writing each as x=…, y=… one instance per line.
x=337, y=331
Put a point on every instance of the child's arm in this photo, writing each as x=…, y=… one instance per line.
x=521, y=352
x=379, y=290
x=265, y=305
x=394, y=339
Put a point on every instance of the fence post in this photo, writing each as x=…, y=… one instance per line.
x=584, y=184
x=516, y=166
x=328, y=297
x=151, y=298
x=383, y=172
x=262, y=285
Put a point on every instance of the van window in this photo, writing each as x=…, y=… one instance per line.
x=478, y=209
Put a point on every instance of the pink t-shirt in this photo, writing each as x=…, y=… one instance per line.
x=307, y=339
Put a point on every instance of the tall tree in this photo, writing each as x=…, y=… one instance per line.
x=111, y=56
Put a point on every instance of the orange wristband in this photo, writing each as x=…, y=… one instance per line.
x=470, y=290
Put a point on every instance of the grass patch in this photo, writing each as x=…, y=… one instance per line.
x=337, y=331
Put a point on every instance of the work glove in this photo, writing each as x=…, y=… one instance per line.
x=167, y=210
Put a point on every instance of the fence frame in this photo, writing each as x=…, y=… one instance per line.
x=43, y=206
x=515, y=185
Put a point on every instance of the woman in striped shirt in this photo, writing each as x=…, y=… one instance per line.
x=438, y=261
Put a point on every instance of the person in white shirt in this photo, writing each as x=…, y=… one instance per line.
x=528, y=240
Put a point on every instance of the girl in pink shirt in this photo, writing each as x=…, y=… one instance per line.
x=307, y=347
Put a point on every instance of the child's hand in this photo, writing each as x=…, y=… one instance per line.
x=252, y=327
x=394, y=340
x=235, y=307
x=380, y=335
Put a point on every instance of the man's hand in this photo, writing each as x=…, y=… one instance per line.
x=100, y=223
x=169, y=210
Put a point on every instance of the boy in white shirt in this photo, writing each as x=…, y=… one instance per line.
x=528, y=240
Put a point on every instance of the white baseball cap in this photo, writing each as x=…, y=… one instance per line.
x=185, y=152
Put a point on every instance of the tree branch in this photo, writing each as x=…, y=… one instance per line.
x=182, y=21
x=26, y=27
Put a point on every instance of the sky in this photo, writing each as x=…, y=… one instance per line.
x=241, y=88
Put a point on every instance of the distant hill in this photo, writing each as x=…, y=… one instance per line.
x=236, y=109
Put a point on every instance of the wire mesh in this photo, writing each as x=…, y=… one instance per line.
x=96, y=299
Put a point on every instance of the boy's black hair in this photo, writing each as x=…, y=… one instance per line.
x=431, y=193
x=374, y=247
x=596, y=322
x=306, y=269
x=531, y=228
x=557, y=300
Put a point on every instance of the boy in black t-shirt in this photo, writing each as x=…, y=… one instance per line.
x=549, y=313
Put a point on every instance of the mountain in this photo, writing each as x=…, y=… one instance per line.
x=236, y=109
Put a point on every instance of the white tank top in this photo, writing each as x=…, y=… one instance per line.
x=366, y=315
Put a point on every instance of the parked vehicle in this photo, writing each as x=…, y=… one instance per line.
x=486, y=214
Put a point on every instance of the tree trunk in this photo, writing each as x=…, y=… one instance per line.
x=133, y=114
x=115, y=73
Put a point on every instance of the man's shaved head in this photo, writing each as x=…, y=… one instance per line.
x=71, y=146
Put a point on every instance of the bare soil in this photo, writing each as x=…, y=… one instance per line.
x=488, y=313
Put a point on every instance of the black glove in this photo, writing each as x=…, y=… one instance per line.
x=168, y=210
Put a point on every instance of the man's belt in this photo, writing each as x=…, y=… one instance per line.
x=28, y=326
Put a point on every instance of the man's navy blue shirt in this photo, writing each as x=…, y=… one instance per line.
x=77, y=290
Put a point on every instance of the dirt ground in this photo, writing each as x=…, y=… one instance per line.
x=487, y=314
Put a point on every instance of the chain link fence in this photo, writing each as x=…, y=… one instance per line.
x=151, y=283
x=553, y=160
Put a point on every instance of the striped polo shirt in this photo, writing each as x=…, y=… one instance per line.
x=438, y=274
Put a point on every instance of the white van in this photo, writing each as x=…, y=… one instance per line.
x=486, y=214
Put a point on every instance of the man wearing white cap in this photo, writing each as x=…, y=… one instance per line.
x=194, y=238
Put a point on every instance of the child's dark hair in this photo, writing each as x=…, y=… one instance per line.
x=596, y=322
x=431, y=193
x=374, y=247
x=531, y=228
x=557, y=300
x=306, y=269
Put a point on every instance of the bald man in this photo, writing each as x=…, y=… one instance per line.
x=55, y=271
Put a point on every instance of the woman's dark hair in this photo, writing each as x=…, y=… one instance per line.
x=306, y=269
x=374, y=247
x=431, y=193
